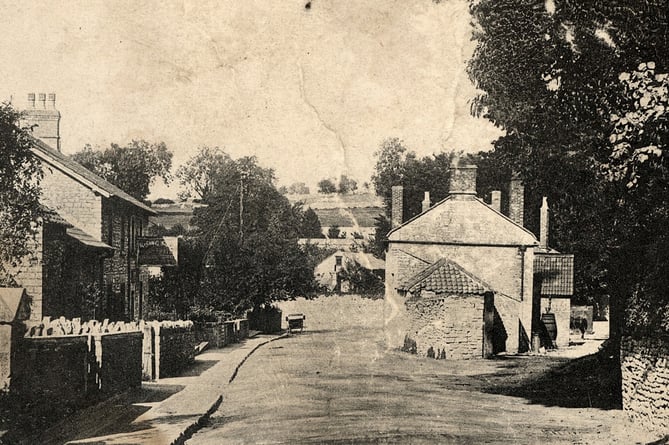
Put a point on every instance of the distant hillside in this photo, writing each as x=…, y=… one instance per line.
x=169, y=215
x=337, y=201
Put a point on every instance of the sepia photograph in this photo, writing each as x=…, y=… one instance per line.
x=334, y=222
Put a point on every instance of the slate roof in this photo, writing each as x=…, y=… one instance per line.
x=50, y=155
x=86, y=239
x=445, y=277
x=557, y=273
x=53, y=217
x=366, y=260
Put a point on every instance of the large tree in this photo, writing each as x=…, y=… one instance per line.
x=249, y=232
x=132, y=168
x=20, y=175
x=347, y=185
x=397, y=165
x=199, y=174
x=549, y=72
x=327, y=186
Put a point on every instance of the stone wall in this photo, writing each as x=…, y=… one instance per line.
x=78, y=204
x=168, y=347
x=73, y=362
x=52, y=368
x=28, y=274
x=453, y=323
x=645, y=374
x=119, y=362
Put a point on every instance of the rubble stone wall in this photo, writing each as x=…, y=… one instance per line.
x=52, y=368
x=453, y=323
x=645, y=373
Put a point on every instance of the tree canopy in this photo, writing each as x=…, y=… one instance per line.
x=199, y=174
x=20, y=176
x=550, y=76
x=347, y=185
x=248, y=232
x=132, y=168
x=397, y=165
x=327, y=186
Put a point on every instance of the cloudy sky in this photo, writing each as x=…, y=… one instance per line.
x=311, y=92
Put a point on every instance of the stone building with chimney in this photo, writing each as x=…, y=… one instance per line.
x=460, y=276
x=88, y=238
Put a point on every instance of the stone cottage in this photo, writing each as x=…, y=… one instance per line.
x=88, y=239
x=460, y=275
x=328, y=271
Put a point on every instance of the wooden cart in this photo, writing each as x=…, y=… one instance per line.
x=295, y=321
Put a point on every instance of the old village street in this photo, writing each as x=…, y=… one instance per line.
x=336, y=383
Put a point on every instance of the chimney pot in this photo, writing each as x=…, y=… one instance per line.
x=397, y=206
x=31, y=100
x=426, y=202
x=517, y=200
x=42, y=99
x=496, y=200
x=52, y=100
x=544, y=224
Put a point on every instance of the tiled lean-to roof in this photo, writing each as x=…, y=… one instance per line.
x=556, y=271
x=445, y=277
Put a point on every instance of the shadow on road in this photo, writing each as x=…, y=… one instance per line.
x=112, y=416
x=592, y=381
x=197, y=368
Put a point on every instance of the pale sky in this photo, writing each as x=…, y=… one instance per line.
x=311, y=92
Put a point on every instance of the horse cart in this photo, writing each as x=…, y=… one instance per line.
x=295, y=321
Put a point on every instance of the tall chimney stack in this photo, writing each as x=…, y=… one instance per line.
x=544, y=224
x=426, y=202
x=44, y=120
x=496, y=200
x=52, y=101
x=462, y=182
x=397, y=206
x=517, y=200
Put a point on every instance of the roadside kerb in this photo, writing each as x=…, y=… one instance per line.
x=188, y=432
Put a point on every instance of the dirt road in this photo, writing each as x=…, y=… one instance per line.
x=335, y=383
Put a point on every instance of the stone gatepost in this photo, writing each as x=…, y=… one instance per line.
x=14, y=311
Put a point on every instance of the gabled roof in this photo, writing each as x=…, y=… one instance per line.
x=83, y=175
x=463, y=221
x=13, y=305
x=366, y=260
x=556, y=271
x=445, y=277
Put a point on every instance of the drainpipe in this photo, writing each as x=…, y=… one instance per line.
x=522, y=250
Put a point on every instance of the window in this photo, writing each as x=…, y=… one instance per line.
x=338, y=262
